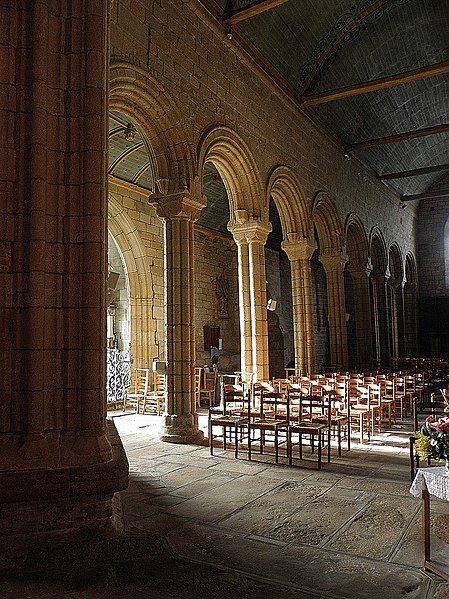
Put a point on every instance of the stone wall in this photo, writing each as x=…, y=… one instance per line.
x=212, y=82
x=433, y=274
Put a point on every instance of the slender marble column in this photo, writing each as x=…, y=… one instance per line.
x=179, y=211
x=299, y=251
x=250, y=237
x=334, y=265
x=362, y=303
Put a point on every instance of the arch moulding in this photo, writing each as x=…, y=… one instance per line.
x=139, y=95
x=237, y=167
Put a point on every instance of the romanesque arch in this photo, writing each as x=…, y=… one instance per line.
x=357, y=294
x=237, y=167
x=134, y=92
x=330, y=235
x=298, y=243
x=411, y=306
x=379, y=302
x=250, y=226
x=144, y=328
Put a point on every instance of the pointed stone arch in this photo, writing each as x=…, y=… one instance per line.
x=411, y=306
x=237, y=167
x=395, y=300
x=250, y=226
x=395, y=262
x=139, y=95
x=143, y=329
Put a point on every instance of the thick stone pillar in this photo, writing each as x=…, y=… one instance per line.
x=362, y=316
x=53, y=264
x=299, y=251
x=250, y=237
x=179, y=211
x=334, y=265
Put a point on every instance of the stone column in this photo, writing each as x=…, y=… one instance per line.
x=179, y=211
x=334, y=265
x=250, y=237
x=53, y=184
x=299, y=251
x=362, y=316
x=381, y=319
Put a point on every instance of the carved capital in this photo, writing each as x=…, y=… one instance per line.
x=298, y=248
x=359, y=271
x=333, y=262
x=251, y=231
x=178, y=206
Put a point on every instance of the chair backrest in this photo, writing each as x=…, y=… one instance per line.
x=198, y=375
x=159, y=384
x=141, y=377
x=209, y=379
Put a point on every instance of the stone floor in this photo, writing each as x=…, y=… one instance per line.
x=197, y=526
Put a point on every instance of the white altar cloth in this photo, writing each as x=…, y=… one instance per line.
x=435, y=480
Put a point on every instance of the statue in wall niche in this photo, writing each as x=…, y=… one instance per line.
x=221, y=294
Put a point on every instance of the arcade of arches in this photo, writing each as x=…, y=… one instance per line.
x=209, y=193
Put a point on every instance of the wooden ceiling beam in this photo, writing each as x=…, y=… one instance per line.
x=398, y=137
x=444, y=193
x=376, y=85
x=242, y=14
x=415, y=172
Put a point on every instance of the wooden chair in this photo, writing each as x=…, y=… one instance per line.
x=306, y=428
x=209, y=386
x=198, y=379
x=154, y=400
x=272, y=422
x=230, y=417
x=138, y=390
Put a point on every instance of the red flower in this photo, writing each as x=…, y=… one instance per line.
x=430, y=419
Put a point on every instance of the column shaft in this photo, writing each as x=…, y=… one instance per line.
x=299, y=252
x=179, y=212
x=334, y=266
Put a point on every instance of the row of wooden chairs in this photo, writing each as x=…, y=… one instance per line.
x=143, y=396
x=318, y=408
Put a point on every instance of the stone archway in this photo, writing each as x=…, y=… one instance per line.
x=395, y=298
x=411, y=307
x=357, y=295
x=379, y=305
x=249, y=225
x=330, y=234
x=297, y=230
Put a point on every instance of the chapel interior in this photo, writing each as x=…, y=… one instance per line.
x=226, y=191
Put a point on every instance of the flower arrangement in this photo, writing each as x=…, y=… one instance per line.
x=432, y=441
